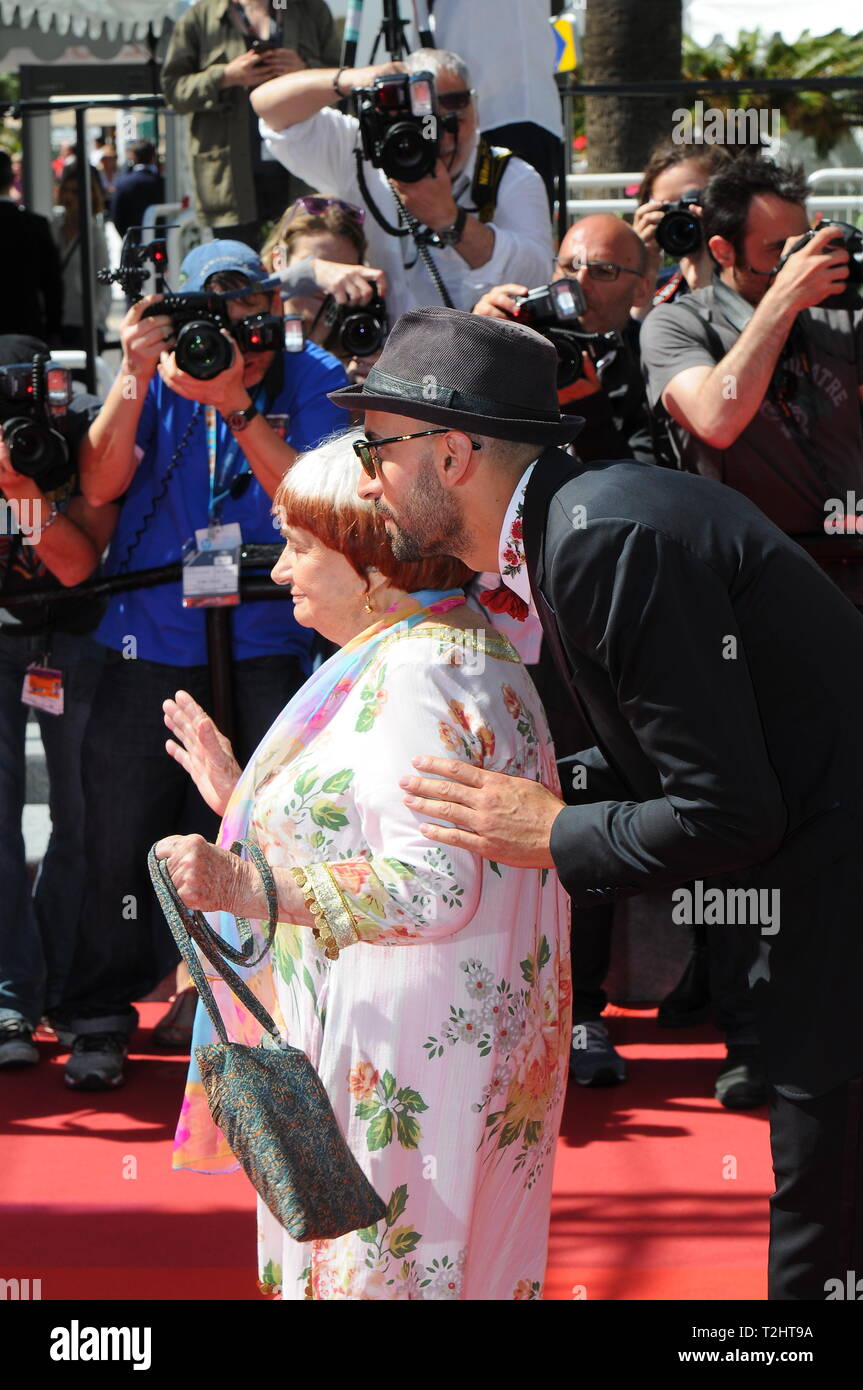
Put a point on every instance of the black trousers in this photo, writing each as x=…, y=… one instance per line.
x=134, y=794
x=816, y=1212
x=536, y=146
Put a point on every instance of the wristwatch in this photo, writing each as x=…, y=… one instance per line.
x=451, y=235
x=238, y=419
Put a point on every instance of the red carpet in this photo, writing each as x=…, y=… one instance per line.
x=641, y=1211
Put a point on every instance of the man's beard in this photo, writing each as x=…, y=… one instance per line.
x=431, y=523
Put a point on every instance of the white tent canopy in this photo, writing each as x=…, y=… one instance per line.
x=113, y=19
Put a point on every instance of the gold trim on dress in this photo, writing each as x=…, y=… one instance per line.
x=333, y=920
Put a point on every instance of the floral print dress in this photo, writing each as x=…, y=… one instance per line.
x=441, y=1031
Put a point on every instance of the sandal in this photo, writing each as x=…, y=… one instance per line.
x=174, y=1031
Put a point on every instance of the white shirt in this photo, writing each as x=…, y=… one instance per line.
x=321, y=152
x=509, y=48
x=526, y=635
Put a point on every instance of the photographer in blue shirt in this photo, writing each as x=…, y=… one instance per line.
x=184, y=455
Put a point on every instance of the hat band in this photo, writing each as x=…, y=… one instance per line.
x=431, y=393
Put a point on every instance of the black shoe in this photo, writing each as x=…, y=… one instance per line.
x=16, y=1044
x=689, y=1002
x=740, y=1081
x=96, y=1063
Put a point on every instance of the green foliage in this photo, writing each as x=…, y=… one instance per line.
x=823, y=116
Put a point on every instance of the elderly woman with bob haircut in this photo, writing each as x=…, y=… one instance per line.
x=430, y=989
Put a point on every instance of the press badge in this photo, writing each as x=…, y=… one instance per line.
x=43, y=689
x=211, y=567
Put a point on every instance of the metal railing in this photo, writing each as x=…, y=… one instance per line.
x=845, y=206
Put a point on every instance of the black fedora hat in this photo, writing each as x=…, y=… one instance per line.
x=486, y=376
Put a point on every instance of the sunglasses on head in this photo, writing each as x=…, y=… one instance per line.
x=455, y=101
x=315, y=206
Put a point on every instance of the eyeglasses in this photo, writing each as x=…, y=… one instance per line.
x=597, y=270
x=455, y=101
x=366, y=450
x=316, y=205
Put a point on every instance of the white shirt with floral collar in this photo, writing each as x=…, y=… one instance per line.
x=526, y=636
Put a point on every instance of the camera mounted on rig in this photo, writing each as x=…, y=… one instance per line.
x=400, y=123
x=679, y=233
x=135, y=260
x=850, y=239
x=33, y=397
x=554, y=311
x=360, y=329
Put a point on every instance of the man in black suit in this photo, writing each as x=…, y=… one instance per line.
x=138, y=188
x=32, y=298
x=721, y=676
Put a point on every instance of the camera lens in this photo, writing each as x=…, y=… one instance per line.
x=407, y=154
x=679, y=233
x=29, y=446
x=202, y=350
x=569, y=362
x=361, y=334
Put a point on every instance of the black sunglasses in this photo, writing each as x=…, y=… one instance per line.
x=366, y=449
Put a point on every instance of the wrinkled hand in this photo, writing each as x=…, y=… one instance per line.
x=225, y=391
x=143, y=340
x=348, y=284
x=499, y=303
x=430, y=200
x=810, y=275
x=207, y=878
x=202, y=750
x=507, y=819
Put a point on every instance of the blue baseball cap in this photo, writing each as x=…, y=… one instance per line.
x=214, y=257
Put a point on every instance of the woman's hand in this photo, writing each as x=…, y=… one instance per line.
x=209, y=879
x=202, y=750
x=348, y=284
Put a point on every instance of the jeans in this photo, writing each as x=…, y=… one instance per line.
x=37, y=932
x=135, y=794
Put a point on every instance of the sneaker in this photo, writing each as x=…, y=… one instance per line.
x=740, y=1081
x=16, y=1043
x=689, y=1002
x=96, y=1063
x=592, y=1059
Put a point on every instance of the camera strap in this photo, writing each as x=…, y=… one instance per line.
x=223, y=479
x=489, y=170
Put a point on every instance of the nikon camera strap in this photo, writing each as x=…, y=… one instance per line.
x=489, y=170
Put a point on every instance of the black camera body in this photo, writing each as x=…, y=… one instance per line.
x=553, y=310
x=361, y=329
x=33, y=398
x=850, y=238
x=679, y=232
x=398, y=117
x=200, y=347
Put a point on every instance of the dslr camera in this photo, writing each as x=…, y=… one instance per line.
x=34, y=398
x=399, y=122
x=200, y=347
x=553, y=310
x=360, y=329
x=849, y=238
x=679, y=232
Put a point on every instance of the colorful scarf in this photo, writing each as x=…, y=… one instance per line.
x=198, y=1143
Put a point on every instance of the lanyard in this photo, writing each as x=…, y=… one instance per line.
x=220, y=488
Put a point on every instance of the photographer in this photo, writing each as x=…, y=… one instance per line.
x=219, y=50
x=478, y=219
x=51, y=538
x=607, y=260
x=672, y=174
x=185, y=455
x=758, y=378
x=339, y=298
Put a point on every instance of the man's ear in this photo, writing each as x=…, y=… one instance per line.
x=643, y=292
x=457, y=458
x=722, y=252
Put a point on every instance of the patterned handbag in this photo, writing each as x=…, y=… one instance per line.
x=269, y=1101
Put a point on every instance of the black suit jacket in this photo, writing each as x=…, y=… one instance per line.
x=721, y=676
x=134, y=192
x=32, y=298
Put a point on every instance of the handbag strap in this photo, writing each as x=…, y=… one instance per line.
x=188, y=926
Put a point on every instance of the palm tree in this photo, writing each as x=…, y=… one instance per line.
x=628, y=41
x=824, y=116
